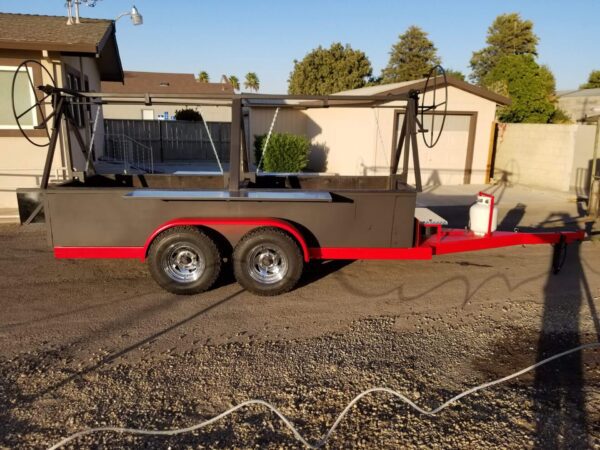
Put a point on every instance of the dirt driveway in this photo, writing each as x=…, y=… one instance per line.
x=93, y=343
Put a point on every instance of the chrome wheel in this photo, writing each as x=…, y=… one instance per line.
x=267, y=264
x=183, y=262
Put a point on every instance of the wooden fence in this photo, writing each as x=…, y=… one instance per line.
x=172, y=141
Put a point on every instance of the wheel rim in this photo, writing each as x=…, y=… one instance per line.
x=183, y=262
x=267, y=264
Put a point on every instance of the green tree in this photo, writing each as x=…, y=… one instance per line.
x=593, y=81
x=456, y=74
x=203, y=77
x=509, y=34
x=188, y=114
x=235, y=82
x=411, y=58
x=529, y=86
x=252, y=82
x=324, y=71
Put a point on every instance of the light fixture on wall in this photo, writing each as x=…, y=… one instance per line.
x=136, y=17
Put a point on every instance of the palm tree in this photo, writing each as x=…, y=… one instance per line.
x=252, y=82
x=235, y=82
x=203, y=77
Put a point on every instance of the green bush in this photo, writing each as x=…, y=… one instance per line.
x=285, y=153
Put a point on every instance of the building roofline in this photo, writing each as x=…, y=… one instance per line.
x=451, y=81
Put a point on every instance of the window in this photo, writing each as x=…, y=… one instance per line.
x=147, y=114
x=78, y=109
x=24, y=99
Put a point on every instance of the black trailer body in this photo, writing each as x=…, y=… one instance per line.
x=83, y=218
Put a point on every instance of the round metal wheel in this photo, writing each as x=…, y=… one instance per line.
x=433, y=105
x=184, y=260
x=267, y=261
x=41, y=98
x=267, y=264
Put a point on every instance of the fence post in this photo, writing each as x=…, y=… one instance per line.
x=160, y=140
x=594, y=198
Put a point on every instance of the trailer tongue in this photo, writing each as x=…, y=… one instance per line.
x=269, y=224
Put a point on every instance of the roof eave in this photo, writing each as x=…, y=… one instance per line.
x=50, y=46
x=108, y=44
x=452, y=81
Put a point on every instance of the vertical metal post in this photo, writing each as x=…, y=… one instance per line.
x=397, y=153
x=408, y=124
x=235, y=145
x=53, y=139
x=594, y=197
x=413, y=137
x=160, y=140
x=245, y=163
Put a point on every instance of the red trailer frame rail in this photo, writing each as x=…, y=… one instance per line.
x=450, y=240
x=456, y=241
x=442, y=241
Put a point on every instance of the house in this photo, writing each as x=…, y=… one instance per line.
x=78, y=56
x=171, y=84
x=360, y=141
x=580, y=104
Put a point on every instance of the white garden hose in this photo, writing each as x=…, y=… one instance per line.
x=326, y=436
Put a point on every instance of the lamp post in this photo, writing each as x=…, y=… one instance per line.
x=136, y=17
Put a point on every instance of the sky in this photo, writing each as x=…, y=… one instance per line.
x=265, y=36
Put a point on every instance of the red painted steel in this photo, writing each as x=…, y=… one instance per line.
x=370, y=253
x=257, y=222
x=99, y=252
x=454, y=241
x=443, y=242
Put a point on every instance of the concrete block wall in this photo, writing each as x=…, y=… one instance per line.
x=544, y=155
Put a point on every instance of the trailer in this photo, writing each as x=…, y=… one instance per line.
x=269, y=225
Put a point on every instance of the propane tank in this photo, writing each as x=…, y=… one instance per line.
x=479, y=215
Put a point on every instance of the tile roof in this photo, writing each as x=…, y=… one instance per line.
x=164, y=83
x=36, y=32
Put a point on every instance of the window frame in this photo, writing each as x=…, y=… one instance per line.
x=81, y=79
x=33, y=99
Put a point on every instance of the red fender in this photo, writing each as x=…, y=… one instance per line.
x=257, y=222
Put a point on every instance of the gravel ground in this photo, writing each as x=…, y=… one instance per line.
x=94, y=343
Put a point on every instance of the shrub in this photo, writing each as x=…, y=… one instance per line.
x=560, y=116
x=285, y=153
x=191, y=115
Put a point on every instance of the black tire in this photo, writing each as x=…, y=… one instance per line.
x=252, y=255
x=172, y=264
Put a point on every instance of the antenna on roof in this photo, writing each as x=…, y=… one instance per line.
x=90, y=3
x=69, y=12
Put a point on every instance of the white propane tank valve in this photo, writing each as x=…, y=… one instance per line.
x=479, y=215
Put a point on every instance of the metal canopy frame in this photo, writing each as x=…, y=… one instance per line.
x=63, y=98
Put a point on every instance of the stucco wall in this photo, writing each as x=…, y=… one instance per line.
x=209, y=113
x=21, y=163
x=545, y=155
x=358, y=141
x=579, y=107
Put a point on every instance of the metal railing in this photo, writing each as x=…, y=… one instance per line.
x=131, y=154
